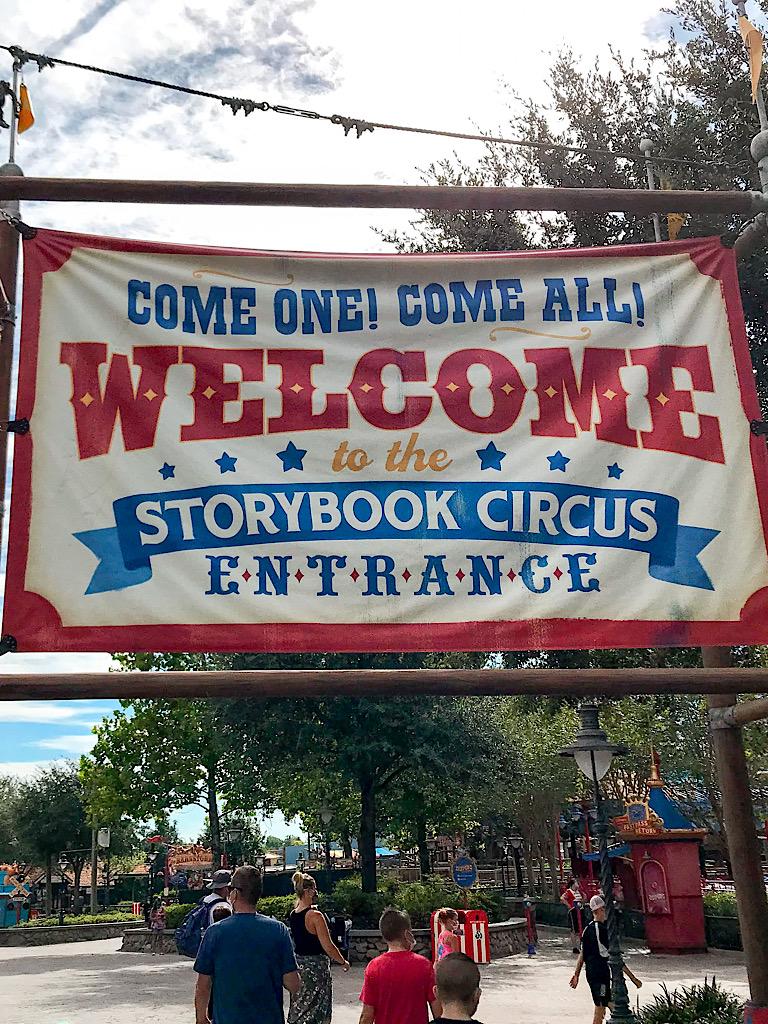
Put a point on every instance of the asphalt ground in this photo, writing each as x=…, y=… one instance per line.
x=94, y=983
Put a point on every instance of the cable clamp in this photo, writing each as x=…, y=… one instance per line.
x=759, y=428
x=24, y=230
x=248, y=106
x=20, y=426
x=297, y=112
x=22, y=57
x=8, y=644
x=349, y=123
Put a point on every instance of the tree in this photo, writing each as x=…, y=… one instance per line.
x=156, y=756
x=690, y=96
x=9, y=847
x=367, y=743
x=50, y=817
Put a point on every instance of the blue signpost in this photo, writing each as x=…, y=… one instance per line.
x=464, y=874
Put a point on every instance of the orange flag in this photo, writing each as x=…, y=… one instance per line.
x=754, y=44
x=26, y=118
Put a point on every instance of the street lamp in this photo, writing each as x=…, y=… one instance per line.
x=326, y=816
x=515, y=843
x=593, y=754
x=234, y=834
x=431, y=845
x=63, y=865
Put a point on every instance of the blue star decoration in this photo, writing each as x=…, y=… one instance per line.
x=291, y=457
x=557, y=461
x=615, y=471
x=226, y=463
x=165, y=471
x=490, y=457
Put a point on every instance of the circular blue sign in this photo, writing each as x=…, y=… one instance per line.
x=464, y=872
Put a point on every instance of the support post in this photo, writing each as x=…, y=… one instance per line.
x=94, y=869
x=743, y=845
x=646, y=148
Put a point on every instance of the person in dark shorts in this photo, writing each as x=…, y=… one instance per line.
x=594, y=957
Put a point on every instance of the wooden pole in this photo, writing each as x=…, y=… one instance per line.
x=379, y=197
x=9, y=260
x=739, y=714
x=743, y=845
x=309, y=683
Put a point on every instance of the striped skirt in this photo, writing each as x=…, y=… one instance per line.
x=313, y=1002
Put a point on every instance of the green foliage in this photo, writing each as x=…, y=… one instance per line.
x=112, y=916
x=278, y=906
x=699, y=1004
x=175, y=914
x=418, y=899
x=720, y=904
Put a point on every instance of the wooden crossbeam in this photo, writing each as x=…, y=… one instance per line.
x=309, y=683
x=379, y=197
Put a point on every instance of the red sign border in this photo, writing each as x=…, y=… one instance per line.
x=37, y=627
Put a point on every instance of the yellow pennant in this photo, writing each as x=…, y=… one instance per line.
x=754, y=44
x=26, y=118
x=674, y=222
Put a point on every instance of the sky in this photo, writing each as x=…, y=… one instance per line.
x=430, y=63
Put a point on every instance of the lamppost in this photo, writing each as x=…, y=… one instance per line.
x=63, y=865
x=326, y=816
x=593, y=755
x=234, y=835
x=431, y=847
x=515, y=844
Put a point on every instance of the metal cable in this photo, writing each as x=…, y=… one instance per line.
x=356, y=124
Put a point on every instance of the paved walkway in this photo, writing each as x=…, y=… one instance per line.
x=93, y=983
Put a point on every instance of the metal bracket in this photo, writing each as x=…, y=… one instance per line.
x=759, y=427
x=722, y=718
x=8, y=644
x=17, y=426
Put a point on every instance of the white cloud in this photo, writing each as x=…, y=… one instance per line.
x=73, y=745
x=23, y=769
x=43, y=664
x=43, y=712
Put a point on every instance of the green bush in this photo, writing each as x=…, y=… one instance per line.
x=115, y=916
x=277, y=906
x=175, y=914
x=418, y=899
x=720, y=904
x=699, y=1004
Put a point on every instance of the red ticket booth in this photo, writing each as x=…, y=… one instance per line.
x=665, y=856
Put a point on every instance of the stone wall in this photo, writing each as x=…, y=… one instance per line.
x=138, y=941
x=42, y=935
x=506, y=938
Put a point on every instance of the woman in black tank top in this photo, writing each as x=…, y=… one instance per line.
x=313, y=944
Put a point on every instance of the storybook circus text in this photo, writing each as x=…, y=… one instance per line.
x=532, y=446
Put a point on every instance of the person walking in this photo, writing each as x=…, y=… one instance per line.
x=247, y=960
x=399, y=986
x=457, y=983
x=157, y=919
x=570, y=897
x=314, y=949
x=219, y=886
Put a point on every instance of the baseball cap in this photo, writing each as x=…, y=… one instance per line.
x=596, y=903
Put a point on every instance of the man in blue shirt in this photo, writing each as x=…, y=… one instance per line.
x=246, y=959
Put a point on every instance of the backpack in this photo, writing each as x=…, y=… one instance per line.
x=190, y=932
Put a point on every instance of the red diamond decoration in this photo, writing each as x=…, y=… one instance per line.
x=246, y=575
x=511, y=575
x=407, y=575
x=299, y=575
x=355, y=575
x=460, y=575
x=557, y=574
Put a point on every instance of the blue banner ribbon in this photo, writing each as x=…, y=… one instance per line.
x=203, y=518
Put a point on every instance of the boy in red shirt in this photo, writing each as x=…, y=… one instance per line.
x=399, y=984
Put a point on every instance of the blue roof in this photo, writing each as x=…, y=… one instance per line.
x=671, y=817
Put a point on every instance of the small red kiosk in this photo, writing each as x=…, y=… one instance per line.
x=665, y=856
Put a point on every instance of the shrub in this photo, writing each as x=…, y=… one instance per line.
x=699, y=1004
x=720, y=904
x=115, y=916
x=419, y=899
x=277, y=906
x=175, y=914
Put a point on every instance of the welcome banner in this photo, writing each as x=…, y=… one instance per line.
x=235, y=450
